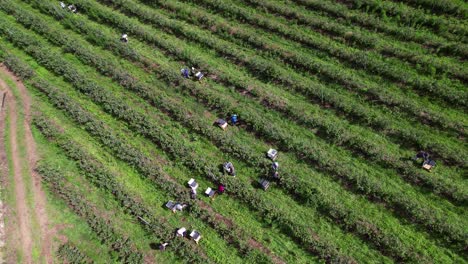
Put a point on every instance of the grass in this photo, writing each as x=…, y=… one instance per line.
x=413, y=235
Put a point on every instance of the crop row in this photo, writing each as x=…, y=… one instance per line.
x=271, y=70
x=131, y=155
x=406, y=169
x=124, y=247
x=387, y=47
x=149, y=129
x=392, y=69
x=414, y=17
x=319, y=92
x=348, y=79
x=71, y=254
x=214, y=100
x=180, y=154
x=93, y=171
x=67, y=251
x=274, y=101
x=392, y=98
x=102, y=178
x=144, y=92
x=125, y=151
x=436, y=43
x=446, y=7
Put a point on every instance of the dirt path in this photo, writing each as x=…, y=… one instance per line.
x=3, y=179
x=23, y=213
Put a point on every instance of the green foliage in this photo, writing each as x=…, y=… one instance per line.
x=122, y=246
x=359, y=177
x=71, y=254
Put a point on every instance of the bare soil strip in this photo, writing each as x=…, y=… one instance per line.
x=3, y=180
x=23, y=213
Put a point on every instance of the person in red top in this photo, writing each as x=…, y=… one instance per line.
x=220, y=189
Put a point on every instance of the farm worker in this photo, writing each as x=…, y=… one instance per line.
x=220, y=189
x=124, y=38
x=185, y=72
x=275, y=175
x=422, y=154
x=275, y=166
x=193, y=193
x=234, y=119
x=178, y=207
x=163, y=246
x=72, y=8
x=231, y=171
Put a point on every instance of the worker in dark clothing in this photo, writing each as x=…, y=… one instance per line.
x=229, y=168
x=275, y=166
x=428, y=163
x=193, y=193
x=422, y=154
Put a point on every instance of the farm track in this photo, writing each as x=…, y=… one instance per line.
x=45, y=231
x=364, y=203
x=24, y=213
x=4, y=183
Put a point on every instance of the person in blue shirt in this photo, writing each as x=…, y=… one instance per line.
x=234, y=119
x=185, y=73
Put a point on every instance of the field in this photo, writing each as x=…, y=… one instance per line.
x=98, y=134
